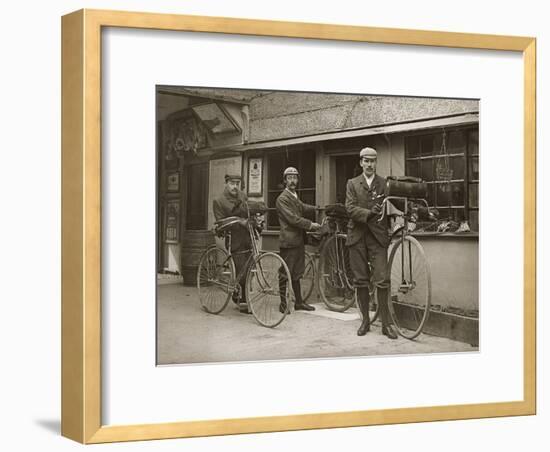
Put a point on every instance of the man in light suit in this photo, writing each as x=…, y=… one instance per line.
x=292, y=212
x=368, y=239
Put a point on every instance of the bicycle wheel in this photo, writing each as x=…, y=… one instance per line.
x=334, y=275
x=215, y=280
x=411, y=287
x=262, y=289
x=308, y=280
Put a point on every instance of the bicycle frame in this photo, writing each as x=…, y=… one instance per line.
x=402, y=232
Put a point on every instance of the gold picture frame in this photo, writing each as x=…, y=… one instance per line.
x=81, y=221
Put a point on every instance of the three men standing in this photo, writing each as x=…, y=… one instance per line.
x=292, y=212
x=368, y=239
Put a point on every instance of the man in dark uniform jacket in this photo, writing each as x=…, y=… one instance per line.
x=232, y=203
x=368, y=239
x=291, y=212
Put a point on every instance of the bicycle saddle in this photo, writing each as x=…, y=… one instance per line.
x=225, y=223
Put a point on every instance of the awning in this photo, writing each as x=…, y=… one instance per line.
x=409, y=126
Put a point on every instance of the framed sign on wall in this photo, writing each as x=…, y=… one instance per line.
x=255, y=176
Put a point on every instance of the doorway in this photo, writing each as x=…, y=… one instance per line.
x=346, y=167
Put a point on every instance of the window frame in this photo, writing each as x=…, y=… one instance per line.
x=467, y=180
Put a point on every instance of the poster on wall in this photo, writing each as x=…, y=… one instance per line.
x=255, y=176
x=172, y=221
x=173, y=182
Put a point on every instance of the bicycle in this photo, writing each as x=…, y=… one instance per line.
x=334, y=276
x=217, y=281
x=409, y=297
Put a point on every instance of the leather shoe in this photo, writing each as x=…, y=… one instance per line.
x=304, y=307
x=243, y=308
x=389, y=332
x=282, y=308
x=364, y=328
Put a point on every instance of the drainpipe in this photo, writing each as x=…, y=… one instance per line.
x=245, y=113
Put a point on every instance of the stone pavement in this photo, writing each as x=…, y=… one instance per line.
x=187, y=334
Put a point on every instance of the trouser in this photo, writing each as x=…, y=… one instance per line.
x=366, y=250
x=295, y=261
x=240, y=258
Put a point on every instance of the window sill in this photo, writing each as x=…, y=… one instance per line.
x=470, y=235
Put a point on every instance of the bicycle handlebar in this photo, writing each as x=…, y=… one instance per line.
x=406, y=200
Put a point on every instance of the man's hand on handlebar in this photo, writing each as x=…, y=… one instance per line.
x=314, y=226
x=376, y=209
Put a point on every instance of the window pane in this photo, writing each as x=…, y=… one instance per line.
x=443, y=195
x=413, y=147
x=426, y=145
x=275, y=165
x=307, y=196
x=474, y=168
x=457, y=165
x=457, y=193
x=456, y=142
x=450, y=194
x=412, y=168
x=307, y=169
x=431, y=195
x=473, y=195
x=474, y=142
x=458, y=215
x=438, y=140
x=427, y=171
x=272, y=219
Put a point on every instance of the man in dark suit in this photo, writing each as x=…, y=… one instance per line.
x=368, y=239
x=292, y=212
x=232, y=203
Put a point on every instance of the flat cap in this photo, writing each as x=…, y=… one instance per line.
x=229, y=177
x=368, y=152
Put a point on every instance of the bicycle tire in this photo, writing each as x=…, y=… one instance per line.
x=215, y=279
x=262, y=289
x=308, y=280
x=333, y=275
x=410, y=287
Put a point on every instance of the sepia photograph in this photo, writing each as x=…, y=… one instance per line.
x=306, y=225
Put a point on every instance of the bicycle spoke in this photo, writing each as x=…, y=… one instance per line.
x=410, y=287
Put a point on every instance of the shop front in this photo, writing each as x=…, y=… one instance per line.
x=441, y=149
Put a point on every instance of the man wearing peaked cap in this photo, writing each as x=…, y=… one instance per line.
x=291, y=212
x=232, y=203
x=368, y=239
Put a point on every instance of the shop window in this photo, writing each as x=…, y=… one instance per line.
x=304, y=162
x=451, y=169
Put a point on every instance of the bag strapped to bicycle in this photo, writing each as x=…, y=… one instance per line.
x=336, y=211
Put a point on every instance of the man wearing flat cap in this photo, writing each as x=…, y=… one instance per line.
x=232, y=203
x=291, y=212
x=368, y=239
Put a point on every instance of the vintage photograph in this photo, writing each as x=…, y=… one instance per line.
x=305, y=225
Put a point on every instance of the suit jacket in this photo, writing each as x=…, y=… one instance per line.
x=360, y=199
x=291, y=213
x=227, y=205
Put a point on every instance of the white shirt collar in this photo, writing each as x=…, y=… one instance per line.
x=293, y=194
x=369, y=179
